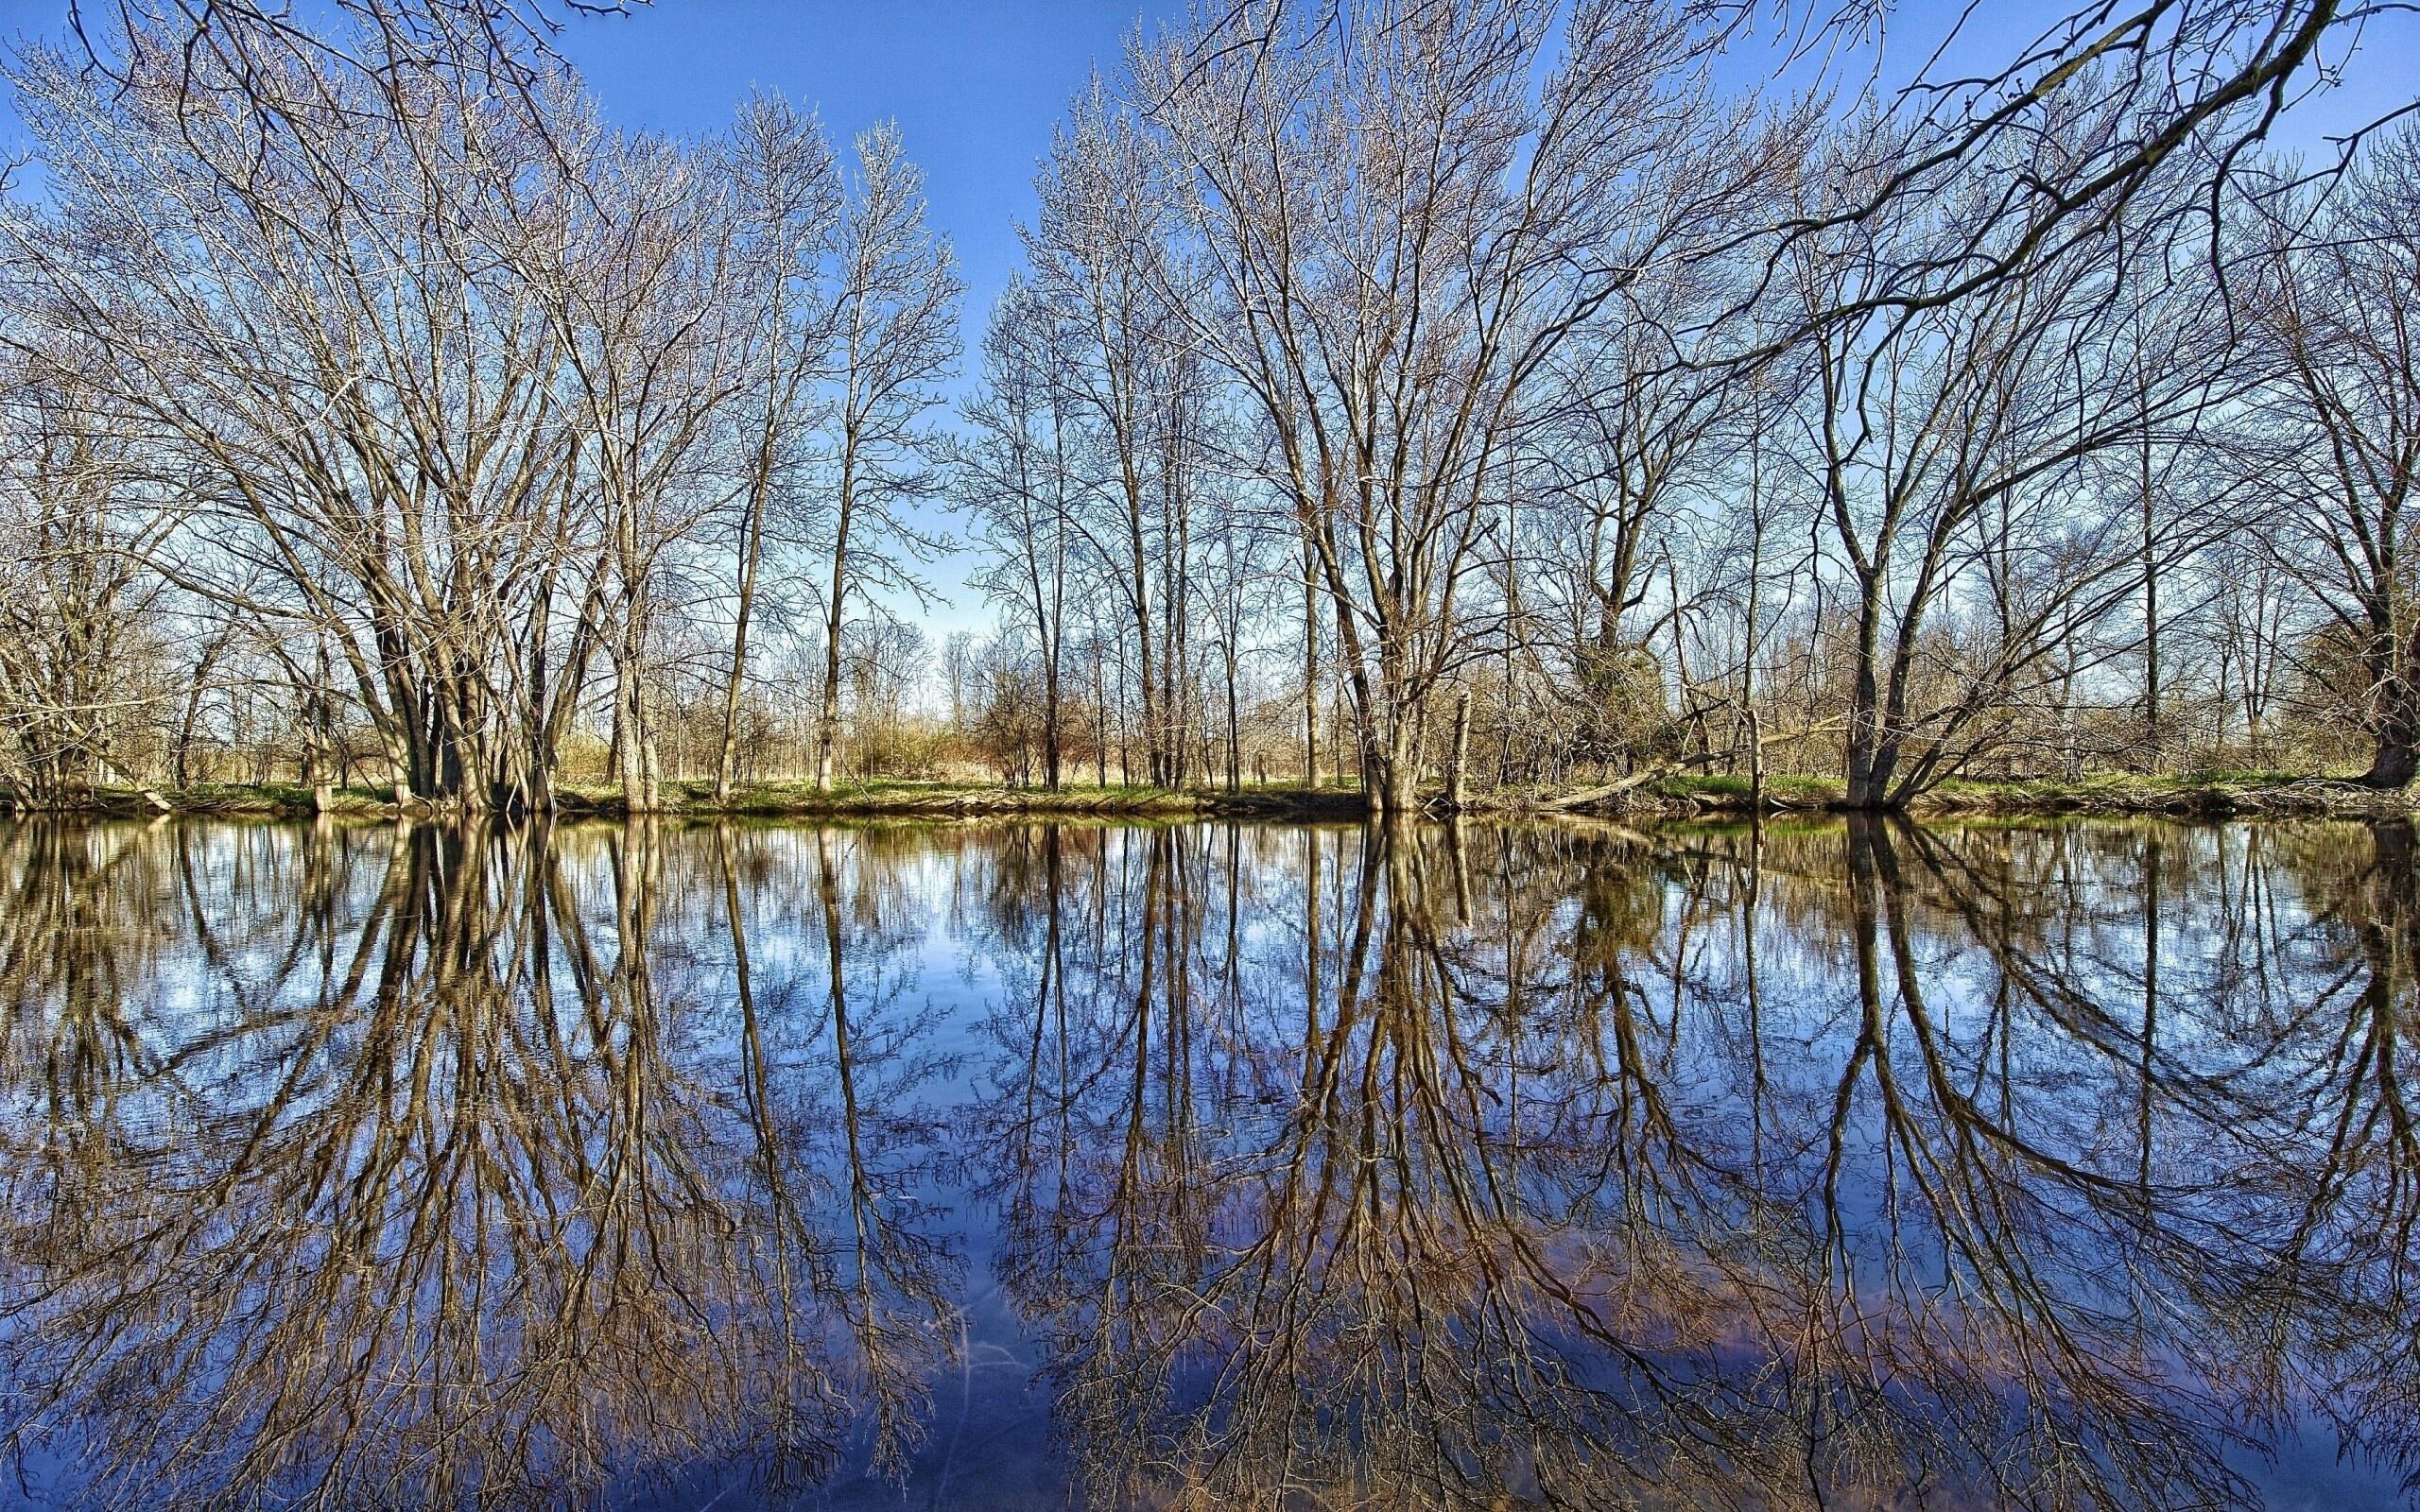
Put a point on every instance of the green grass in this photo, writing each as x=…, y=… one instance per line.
x=2204, y=777
x=1735, y=786
x=2252, y=776
x=879, y=796
x=233, y=798
x=903, y=796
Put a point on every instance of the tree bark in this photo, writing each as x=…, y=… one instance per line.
x=751, y=550
x=2397, y=756
x=1461, y=749
x=1310, y=672
x=827, y=724
x=1873, y=747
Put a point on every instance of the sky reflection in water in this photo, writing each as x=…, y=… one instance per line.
x=1222, y=1166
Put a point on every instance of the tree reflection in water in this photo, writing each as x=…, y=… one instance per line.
x=1834, y=1165
x=436, y=1168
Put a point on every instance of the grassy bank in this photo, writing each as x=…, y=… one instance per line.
x=769, y=800
x=2201, y=795
x=968, y=800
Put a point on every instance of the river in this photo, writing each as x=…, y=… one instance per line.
x=1234, y=1165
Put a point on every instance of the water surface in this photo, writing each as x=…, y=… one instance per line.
x=1217, y=1165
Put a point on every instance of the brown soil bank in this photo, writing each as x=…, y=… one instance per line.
x=2230, y=794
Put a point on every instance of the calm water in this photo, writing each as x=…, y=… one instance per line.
x=1217, y=1166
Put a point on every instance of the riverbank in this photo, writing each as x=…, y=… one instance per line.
x=772, y=801
x=904, y=800
x=2202, y=795
x=2221, y=795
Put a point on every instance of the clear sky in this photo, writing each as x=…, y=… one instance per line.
x=976, y=86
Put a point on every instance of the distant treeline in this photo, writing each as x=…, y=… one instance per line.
x=1477, y=394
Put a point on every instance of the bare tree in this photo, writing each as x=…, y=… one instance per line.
x=1946, y=447
x=785, y=191
x=1597, y=420
x=1399, y=226
x=894, y=334
x=2336, y=440
x=1095, y=251
x=343, y=372
x=1020, y=473
x=83, y=665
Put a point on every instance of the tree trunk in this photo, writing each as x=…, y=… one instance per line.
x=1234, y=733
x=630, y=716
x=1873, y=750
x=1150, y=711
x=827, y=726
x=2396, y=757
x=1100, y=721
x=1756, y=762
x=725, y=756
x=1391, y=763
x=827, y=719
x=1310, y=673
x=1461, y=749
x=2152, y=731
x=1050, y=717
